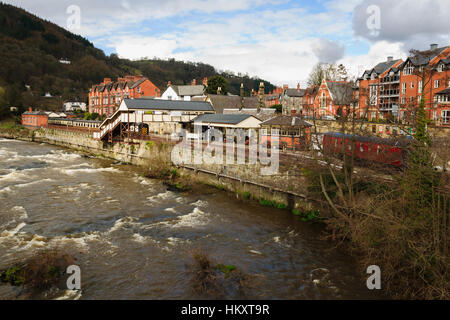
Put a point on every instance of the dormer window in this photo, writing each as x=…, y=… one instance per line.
x=440, y=67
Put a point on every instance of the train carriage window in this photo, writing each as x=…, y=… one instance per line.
x=335, y=143
x=378, y=150
x=361, y=147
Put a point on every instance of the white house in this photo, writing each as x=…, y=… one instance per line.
x=185, y=92
x=73, y=106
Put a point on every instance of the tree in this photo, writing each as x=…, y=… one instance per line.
x=326, y=71
x=214, y=83
x=278, y=108
x=3, y=105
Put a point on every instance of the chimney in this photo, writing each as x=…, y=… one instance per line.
x=30, y=109
x=106, y=80
x=120, y=79
x=169, y=83
x=285, y=86
x=242, y=92
x=219, y=90
x=261, y=96
x=433, y=46
x=390, y=58
x=194, y=82
x=205, y=81
x=298, y=86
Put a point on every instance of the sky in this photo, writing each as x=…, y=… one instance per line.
x=277, y=40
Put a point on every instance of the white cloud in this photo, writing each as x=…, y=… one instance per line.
x=258, y=37
x=414, y=23
x=378, y=52
x=133, y=47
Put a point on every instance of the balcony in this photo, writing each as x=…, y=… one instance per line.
x=388, y=107
x=386, y=80
x=389, y=93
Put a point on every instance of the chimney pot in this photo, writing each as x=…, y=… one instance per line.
x=390, y=58
x=298, y=86
x=30, y=109
x=433, y=46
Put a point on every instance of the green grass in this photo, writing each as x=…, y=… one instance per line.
x=225, y=268
x=13, y=276
x=272, y=203
x=307, y=216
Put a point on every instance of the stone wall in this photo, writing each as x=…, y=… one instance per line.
x=286, y=188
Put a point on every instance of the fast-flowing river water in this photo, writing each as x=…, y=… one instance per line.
x=134, y=239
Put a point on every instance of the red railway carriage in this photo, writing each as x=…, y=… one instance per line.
x=367, y=149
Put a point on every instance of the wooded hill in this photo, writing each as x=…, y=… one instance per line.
x=31, y=48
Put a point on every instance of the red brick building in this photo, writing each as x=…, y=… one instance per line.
x=427, y=73
x=333, y=99
x=379, y=90
x=105, y=98
x=393, y=89
x=35, y=119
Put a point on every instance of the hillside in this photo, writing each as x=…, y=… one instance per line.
x=32, y=47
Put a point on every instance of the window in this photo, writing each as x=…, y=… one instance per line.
x=408, y=70
x=446, y=116
x=403, y=100
x=404, y=87
x=440, y=67
x=361, y=147
x=420, y=86
x=436, y=83
x=412, y=85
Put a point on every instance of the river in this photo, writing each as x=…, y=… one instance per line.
x=134, y=239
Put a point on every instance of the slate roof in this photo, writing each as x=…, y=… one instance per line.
x=424, y=57
x=188, y=90
x=342, y=92
x=159, y=104
x=383, y=66
x=221, y=102
x=222, y=118
x=35, y=113
x=263, y=114
x=115, y=84
x=445, y=91
x=295, y=92
x=287, y=121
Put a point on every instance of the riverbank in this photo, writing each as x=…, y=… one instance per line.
x=134, y=238
x=284, y=190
